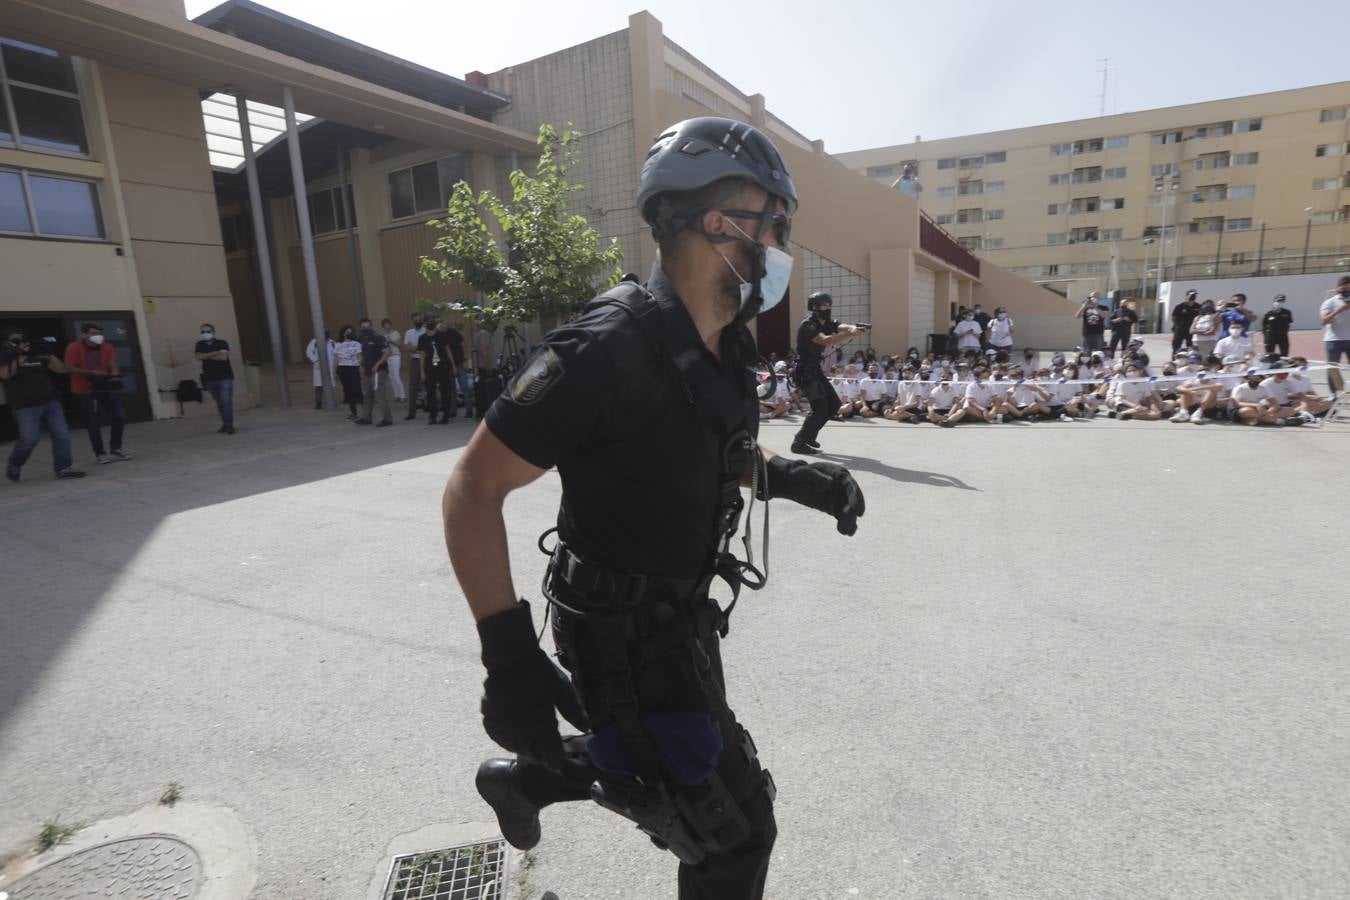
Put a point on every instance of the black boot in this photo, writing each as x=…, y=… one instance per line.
x=517, y=817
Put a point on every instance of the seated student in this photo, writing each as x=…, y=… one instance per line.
x=1135, y=351
x=1028, y=361
x=1134, y=396
x=1065, y=400
x=777, y=404
x=943, y=400
x=871, y=395
x=847, y=389
x=1280, y=388
x=1252, y=405
x=1026, y=399
x=1198, y=399
x=892, y=381
x=1301, y=388
x=982, y=400
x=913, y=396
x=896, y=406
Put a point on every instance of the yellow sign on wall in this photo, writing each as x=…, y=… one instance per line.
x=151, y=305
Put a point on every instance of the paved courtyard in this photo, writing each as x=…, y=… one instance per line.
x=1061, y=660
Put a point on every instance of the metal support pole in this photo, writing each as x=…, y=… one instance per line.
x=348, y=207
x=1162, y=245
x=263, y=251
x=307, y=247
x=1218, y=253
x=1307, y=237
x=1261, y=250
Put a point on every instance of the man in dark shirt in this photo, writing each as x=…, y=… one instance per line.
x=1123, y=320
x=438, y=372
x=35, y=403
x=217, y=375
x=647, y=408
x=454, y=345
x=1275, y=325
x=1093, y=315
x=375, y=352
x=815, y=334
x=1183, y=314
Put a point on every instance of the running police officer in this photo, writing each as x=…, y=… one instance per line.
x=816, y=333
x=646, y=405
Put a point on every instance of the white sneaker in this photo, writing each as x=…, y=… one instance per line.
x=104, y=459
x=1065, y=417
x=1197, y=417
x=1308, y=418
x=121, y=454
x=999, y=418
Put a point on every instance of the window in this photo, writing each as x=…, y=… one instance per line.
x=997, y=156
x=1210, y=193
x=1115, y=143
x=948, y=163
x=1247, y=125
x=967, y=188
x=969, y=243
x=1167, y=137
x=970, y=162
x=49, y=205
x=1159, y=171
x=236, y=233
x=1212, y=161
x=1085, y=205
x=326, y=211
x=1238, y=225
x=1237, y=192
x=1052, y=270
x=1322, y=218
x=41, y=101
x=1111, y=234
x=1326, y=184
x=966, y=216
x=1058, y=237
x=1332, y=115
x=1096, y=268
x=1093, y=145
x=993, y=187
x=1060, y=149
x=1113, y=174
x=1055, y=209
x=1087, y=175
x=1246, y=159
x=1329, y=150
x=1083, y=235
x=880, y=171
x=1061, y=179
x=1113, y=203
x=993, y=215
x=427, y=188
x=946, y=192
x=1212, y=225
x=946, y=219
x=993, y=243
x=1238, y=259
x=1162, y=200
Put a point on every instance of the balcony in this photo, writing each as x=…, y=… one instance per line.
x=936, y=242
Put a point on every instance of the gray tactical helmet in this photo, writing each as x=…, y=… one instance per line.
x=696, y=152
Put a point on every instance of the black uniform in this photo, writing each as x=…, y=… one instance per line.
x=1275, y=325
x=647, y=470
x=1182, y=317
x=811, y=381
x=1122, y=326
x=438, y=374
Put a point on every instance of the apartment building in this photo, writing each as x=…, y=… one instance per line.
x=1237, y=187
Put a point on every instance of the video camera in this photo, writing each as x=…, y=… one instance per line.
x=20, y=344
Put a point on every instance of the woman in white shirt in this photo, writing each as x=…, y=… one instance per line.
x=395, y=360
x=347, y=355
x=1000, y=331
x=967, y=332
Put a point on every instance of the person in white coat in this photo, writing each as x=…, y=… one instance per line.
x=312, y=354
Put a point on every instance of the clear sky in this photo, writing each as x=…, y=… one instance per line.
x=867, y=73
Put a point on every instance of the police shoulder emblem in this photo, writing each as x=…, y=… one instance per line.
x=537, y=378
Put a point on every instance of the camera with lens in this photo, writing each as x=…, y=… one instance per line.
x=20, y=344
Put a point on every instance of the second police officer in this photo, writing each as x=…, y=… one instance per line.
x=817, y=333
x=646, y=405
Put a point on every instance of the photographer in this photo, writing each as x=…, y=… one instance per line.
x=35, y=403
x=96, y=382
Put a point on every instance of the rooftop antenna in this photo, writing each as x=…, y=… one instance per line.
x=1106, y=63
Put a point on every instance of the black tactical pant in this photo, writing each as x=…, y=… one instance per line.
x=817, y=390
x=1277, y=342
x=440, y=392
x=734, y=874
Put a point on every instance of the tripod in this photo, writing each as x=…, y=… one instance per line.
x=510, y=359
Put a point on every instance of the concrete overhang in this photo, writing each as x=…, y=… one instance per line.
x=144, y=39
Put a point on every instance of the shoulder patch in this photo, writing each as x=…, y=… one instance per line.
x=537, y=378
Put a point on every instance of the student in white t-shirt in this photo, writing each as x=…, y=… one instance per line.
x=910, y=397
x=778, y=404
x=1301, y=388
x=848, y=392
x=872, y=395
x=1253, y=405
x=967, y=332
x=1134, y=396
x=943, y=400
x=1235, y=344
x=982, y=400
x=1280, y=388
x=1000, y=331
x=1026, y=399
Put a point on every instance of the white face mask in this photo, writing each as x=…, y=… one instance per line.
x=774, y=284
x=1235, y=332
x=1279, y=303
x=96, y=339
x=208, y=335
x=1003, y=315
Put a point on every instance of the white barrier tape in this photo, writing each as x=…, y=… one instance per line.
x=1206, y=375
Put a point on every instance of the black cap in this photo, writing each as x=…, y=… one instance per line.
x=1281, y=297
x=817, y=299
x=1192, y=293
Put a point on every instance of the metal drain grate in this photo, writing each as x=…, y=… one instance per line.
x=469, y=872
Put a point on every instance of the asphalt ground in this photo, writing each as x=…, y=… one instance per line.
x=1088, y=659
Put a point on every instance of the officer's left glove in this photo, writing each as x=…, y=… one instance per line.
x=821, y=485
x=523, y=687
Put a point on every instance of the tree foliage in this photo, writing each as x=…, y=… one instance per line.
x=553, y=259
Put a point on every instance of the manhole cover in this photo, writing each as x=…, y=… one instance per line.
x=140, y=868
x=469, y=872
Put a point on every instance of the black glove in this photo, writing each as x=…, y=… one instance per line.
x=823, y=486
x=522, y=688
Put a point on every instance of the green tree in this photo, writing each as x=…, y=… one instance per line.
x=553, y=260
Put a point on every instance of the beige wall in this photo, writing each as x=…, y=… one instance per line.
x=1283, y=180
